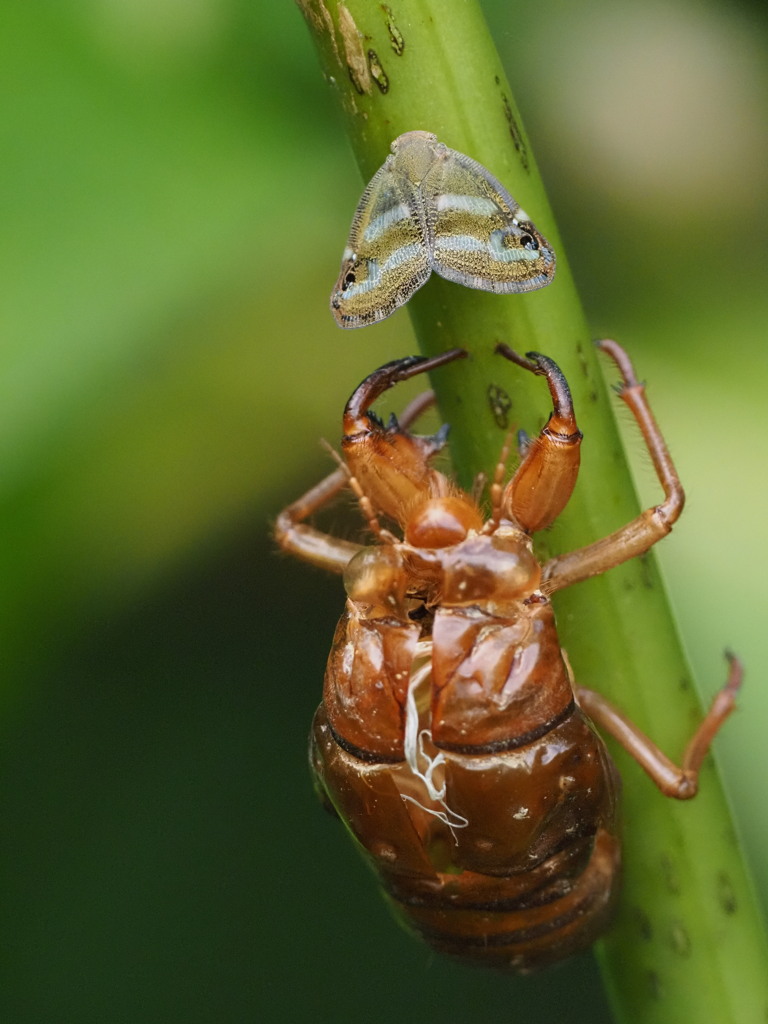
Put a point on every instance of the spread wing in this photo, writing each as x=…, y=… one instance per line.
x=387, y=257
x=478, y=234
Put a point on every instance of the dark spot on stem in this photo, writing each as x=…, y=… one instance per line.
x=670, y=875
x=643, y=922
x=500, y=404
x=354, y=80
x=680, y=940
x=654, y=984
x=514, y=131
x=725, y=894
x=378, y=74
x=395, y=35
x=646, y=571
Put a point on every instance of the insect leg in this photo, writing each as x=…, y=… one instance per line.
x=544, y=480
x=391, y=464
x=294, y=535
x=312, y=545
x=356, y=417
x=651, y=525
x=679, y=781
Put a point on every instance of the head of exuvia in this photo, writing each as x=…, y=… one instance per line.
x=447, y=558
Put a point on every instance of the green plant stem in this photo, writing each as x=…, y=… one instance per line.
x=688, y=943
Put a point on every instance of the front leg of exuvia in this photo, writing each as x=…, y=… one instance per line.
x=543, y=482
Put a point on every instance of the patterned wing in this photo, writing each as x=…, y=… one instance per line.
x=387, y=258
x=478, y=234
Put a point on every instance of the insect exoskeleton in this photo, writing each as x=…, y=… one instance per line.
x=451, y=738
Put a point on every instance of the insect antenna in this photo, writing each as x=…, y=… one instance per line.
x=478, y=486
x=496, y=489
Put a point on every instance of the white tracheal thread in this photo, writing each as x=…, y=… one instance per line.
x=416, y=754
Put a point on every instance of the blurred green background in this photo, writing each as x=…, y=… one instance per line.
x=176, y=191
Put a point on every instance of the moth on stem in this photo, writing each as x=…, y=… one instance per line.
x=430, y=208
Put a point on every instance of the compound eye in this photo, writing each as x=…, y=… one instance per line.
x=442, y=522
x=375, y=577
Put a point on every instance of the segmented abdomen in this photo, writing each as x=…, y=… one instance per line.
x=530, y=878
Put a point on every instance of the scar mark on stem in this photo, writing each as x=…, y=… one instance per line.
x=646, y=572
x=306, y=9
x=726, y=897
x=671, y=878
x=587, y=371
x=354, y=55
x=325, y=14
x=514, y=130
x=395, y=35
x=318, y=17
x=654, y=984
x=500, y=403
x=378, y=74
x=681, y=941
